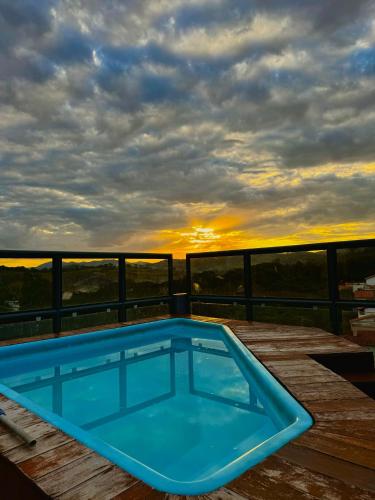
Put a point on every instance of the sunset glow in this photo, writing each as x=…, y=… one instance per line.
x=182, y=126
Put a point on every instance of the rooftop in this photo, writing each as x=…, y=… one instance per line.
x=335, y=458
x=294, y=307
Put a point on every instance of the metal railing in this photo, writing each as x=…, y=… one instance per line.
x=248, y=299
x=58, y=310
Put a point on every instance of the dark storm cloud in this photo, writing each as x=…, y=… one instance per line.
x=119, y=119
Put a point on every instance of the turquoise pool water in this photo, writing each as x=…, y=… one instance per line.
x=181, y=404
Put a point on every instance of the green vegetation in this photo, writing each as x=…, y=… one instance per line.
x=285, y=276
x=293, y=275
x=22, y=288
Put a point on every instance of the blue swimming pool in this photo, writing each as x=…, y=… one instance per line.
x=181, y=404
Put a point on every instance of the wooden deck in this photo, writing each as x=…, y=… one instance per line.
x=335, y=459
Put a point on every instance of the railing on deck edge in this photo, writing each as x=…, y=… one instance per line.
x=333, y=302
x=58, y=310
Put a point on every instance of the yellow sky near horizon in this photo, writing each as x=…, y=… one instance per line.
x=229, y=233
x=201, y=238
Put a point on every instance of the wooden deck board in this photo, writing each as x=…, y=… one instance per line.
x=73, y=474
x=54, y=459
x=335, y=459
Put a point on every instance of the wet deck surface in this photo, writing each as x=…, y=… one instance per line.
x=335, y=459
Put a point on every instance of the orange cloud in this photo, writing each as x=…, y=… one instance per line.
x=225, y=233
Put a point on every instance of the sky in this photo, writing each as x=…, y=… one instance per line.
x=180, y=126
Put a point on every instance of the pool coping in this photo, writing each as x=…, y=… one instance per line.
x=336, y=452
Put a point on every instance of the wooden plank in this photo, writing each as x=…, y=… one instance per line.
x=315, y=484
x=364, y=439
x=346, y=448
x=103, y=486
x=273, y=334
x=21, y=417
x=307, y=349
x=74, y=474
x=342, y=470
x=352, y=428
x=342, y=404
x=276, y=356
x=329, y=390
x=306, y=380
x=48, y=442
x=258, y=486
x=343, y=415
x=222, y=494
x=140, y=491
x=51, y=460
x=300, y=369
x=9, y=441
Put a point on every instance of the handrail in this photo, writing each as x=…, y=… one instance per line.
x=286, y=248
x=331, y=301
x=58, y=309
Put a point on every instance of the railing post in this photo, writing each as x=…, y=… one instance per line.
x=333, y=288
x=180, y=304
x=170, y=282
x=188, y=281
x=247, y=285
x=121, y=288
x=57, y=292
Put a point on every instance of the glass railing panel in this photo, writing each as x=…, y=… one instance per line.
x=146, y=278
x=290, y=274
x=318, y=317
x=9, y=331
x=179, y=276
x=89, y=281
x=77, y=320
x=135, y=313
x=217, y=275
x=356, y=273
x=230, y=311
x=25, y=284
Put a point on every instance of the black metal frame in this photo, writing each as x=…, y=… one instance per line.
x=333, y=302
x=58, y=309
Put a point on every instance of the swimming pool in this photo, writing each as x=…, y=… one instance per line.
x=181, y=404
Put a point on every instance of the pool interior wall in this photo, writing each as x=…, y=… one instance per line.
x=181, y=404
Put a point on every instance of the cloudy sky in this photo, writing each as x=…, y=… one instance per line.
x=186, y=125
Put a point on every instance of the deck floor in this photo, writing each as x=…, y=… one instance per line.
x=335, y=459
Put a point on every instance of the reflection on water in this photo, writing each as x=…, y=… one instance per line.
x=105, y=388
x=180, y=394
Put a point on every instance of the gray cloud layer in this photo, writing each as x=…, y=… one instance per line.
x=120, y=119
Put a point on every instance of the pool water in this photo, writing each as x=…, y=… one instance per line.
x=181, y=404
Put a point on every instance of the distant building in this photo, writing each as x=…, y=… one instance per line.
x=365, y=290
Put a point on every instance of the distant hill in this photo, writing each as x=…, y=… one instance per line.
x=221, y=264
x=72, y=265
x=177, y=264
